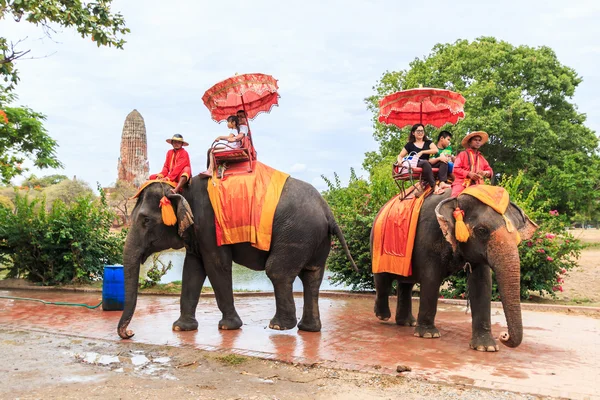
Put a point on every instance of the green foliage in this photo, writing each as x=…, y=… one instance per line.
x=24, y=137
x=67, y=191
x=6, y=202
x=68, y=243
x=545, y=259
x=22, y=134
x=156, y=272
x=355, y=208
x=33, y=182
x=521, y=96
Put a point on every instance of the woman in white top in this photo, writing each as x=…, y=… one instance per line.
x=243, y=122
x=233, y=141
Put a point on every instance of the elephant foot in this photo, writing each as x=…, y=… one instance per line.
x=185, y=324
x=282, y=324
x=382, y=311
x=406, y=321
x=231, y=324
x=312, y=326
x=484, y=342
x=427, y=332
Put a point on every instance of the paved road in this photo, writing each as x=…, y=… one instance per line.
x=559, y=357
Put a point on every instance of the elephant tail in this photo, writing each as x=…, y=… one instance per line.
x=334, y=229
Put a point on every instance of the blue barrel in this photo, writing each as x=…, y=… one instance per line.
x=113, y=288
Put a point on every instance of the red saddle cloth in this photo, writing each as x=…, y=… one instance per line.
x=394, y=235
x=244, y=205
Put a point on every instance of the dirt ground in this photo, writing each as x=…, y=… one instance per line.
x=582, y=285
x=40, y=365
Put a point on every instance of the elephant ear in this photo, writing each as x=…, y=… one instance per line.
x=185, y=218
x=443, y=212
x=521, y=222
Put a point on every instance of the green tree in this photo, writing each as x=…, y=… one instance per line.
x=120, y=200
x=63, y=244
x=22, y=134
x=67, y=191
x=34, y=182
x=521, y=96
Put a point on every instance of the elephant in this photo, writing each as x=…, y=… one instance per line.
x=437, y=254
x=301, y=239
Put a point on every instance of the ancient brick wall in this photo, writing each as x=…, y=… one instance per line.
x=133, y=163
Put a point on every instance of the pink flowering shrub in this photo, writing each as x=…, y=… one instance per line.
x=546, y=258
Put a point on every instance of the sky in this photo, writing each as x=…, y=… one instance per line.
x=326, y=55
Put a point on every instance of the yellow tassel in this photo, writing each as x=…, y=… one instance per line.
x=167, y=211
x=461, y=232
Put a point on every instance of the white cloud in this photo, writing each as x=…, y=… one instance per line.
x=326, y=55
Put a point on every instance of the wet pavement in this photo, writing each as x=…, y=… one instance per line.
x=559, y=356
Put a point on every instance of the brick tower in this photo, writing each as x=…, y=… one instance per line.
x=133, y=163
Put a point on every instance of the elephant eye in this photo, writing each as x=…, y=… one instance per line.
x=146, y=220
x=482, y=231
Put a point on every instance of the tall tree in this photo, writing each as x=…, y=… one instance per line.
x=22, y=133
x=521, y=96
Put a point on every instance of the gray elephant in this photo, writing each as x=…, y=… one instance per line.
x=437, y=254
x=301, y=238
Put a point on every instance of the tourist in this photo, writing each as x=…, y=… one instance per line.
x=232, y=141
x=177, y=168
x=470, y=167
x=243, y=122
x=423, y=147
x=443, y=158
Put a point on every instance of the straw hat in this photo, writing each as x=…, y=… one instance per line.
x=484, y=138
x=178, y=138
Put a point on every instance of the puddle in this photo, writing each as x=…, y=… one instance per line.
x=139, y=359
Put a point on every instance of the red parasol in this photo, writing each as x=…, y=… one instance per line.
x=253, y=93
x=427, y=106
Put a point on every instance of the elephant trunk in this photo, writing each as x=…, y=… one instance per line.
x=132, y=258
x=503, y=255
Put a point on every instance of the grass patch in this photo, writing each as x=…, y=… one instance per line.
x=231, y=359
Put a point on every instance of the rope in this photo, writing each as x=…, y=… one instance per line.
x=57, y=303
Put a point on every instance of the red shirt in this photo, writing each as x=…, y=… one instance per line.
x=468, y=161
x=175, y=165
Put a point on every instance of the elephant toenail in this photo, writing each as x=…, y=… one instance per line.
x=480, y=348
x=176, y=328
x=428, y=335
x=416, y=334
x=491, y=348
x=436, y=335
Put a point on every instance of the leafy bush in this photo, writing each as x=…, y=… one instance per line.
x=545, y=259
x=68, y=243
x=355, y=208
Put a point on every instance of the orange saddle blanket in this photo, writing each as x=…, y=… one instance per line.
x=245, y=205
x=394, y=235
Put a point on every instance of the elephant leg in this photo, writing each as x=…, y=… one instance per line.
x=430, y=289
x=383, y=287
x=192, y=281
x=404, y=315
x=219, y=274
x=311, y=281
x=480, y=296
x=282, y=275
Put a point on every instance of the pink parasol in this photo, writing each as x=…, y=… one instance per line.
x=427, y=106
x=253, y=93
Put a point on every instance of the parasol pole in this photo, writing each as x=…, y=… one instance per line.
x=420, y=115
x=247, y=119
